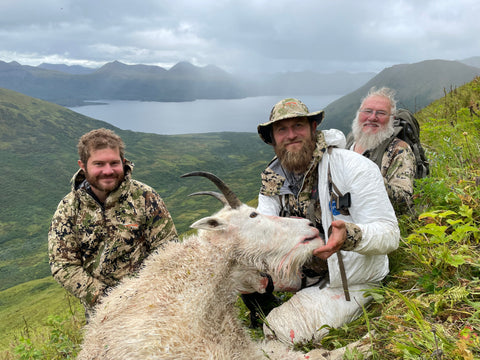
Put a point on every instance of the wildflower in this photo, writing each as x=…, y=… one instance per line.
x=468, y=335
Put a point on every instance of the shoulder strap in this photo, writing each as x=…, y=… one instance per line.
x=339, y=203
x=350, y=140
x=339, y=254
x=376, y=155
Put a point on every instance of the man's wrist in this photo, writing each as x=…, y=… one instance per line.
x=354, y=236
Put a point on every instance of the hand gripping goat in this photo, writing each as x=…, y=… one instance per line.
x=182, y=303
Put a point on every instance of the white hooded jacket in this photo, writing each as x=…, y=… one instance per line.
x=370, y=210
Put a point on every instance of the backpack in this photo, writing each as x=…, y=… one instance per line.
x=406, y=128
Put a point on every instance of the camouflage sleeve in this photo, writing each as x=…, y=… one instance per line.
x=65, y=256
x=399, y=176
x=160, y=228
x=354, y=236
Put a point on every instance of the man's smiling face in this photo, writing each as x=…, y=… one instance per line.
x=374, y=114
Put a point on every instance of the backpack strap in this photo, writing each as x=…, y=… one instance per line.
x=336, y=197
x=376, y=155
x=339, y=203
x=349, y=141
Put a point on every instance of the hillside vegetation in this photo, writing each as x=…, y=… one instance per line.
x=38, y=158
x=428, y=307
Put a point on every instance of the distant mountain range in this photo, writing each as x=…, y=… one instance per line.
x=472, y=61
x=183, y=82
x=416, y=84
x=303, y=82
x=69, y=69
x=73, y=85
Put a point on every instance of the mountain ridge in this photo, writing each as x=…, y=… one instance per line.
x=416, y=85
x=186, y=82
x=182, y=82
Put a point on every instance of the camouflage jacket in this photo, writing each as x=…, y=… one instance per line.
x=92, y=246
x=277, y=182
x=372, y=228
x=398, y=171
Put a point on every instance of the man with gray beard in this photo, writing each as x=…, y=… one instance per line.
x=372, y=126
x=342, y=193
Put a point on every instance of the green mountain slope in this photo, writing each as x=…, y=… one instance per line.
x=27, y=307
x=38, y=158
x=417, y=85
x=427, y=308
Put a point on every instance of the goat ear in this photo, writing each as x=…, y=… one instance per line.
x=209, y=223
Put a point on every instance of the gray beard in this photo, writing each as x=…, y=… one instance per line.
x=369, y=141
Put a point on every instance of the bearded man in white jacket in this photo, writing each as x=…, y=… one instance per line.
x=344, y=196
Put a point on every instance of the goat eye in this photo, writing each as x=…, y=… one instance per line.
x=253, y=214
x=213, y=223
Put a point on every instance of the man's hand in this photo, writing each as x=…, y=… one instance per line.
x=336, y=238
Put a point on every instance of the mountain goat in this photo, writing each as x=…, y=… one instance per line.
x=181, y=305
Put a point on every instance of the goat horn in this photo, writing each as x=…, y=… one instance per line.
x=230, y=196
x=215, y=194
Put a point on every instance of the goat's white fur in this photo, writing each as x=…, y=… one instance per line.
x=182, y=303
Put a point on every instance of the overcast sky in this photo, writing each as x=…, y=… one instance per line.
x=240, y=36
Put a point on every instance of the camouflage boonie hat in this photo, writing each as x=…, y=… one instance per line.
x=287, y=109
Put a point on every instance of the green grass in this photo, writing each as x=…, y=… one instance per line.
x=31, y=310
x=427, y=308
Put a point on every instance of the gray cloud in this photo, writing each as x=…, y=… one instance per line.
x=240, y=36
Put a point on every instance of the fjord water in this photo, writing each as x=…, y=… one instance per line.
x=199, y=116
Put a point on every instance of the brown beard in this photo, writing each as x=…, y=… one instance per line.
x=95, y=183
x=296, y=162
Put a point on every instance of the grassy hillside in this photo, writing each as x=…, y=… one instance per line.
x=33, y=311
x=38, y=146
x=417, y=85
x=428, y=307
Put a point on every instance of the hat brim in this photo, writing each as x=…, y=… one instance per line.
x=265, y=129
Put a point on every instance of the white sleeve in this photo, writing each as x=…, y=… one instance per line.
x=371, y=209
x=269, y=205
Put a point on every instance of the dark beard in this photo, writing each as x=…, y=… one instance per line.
x=95, y=183
x=296, y=162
